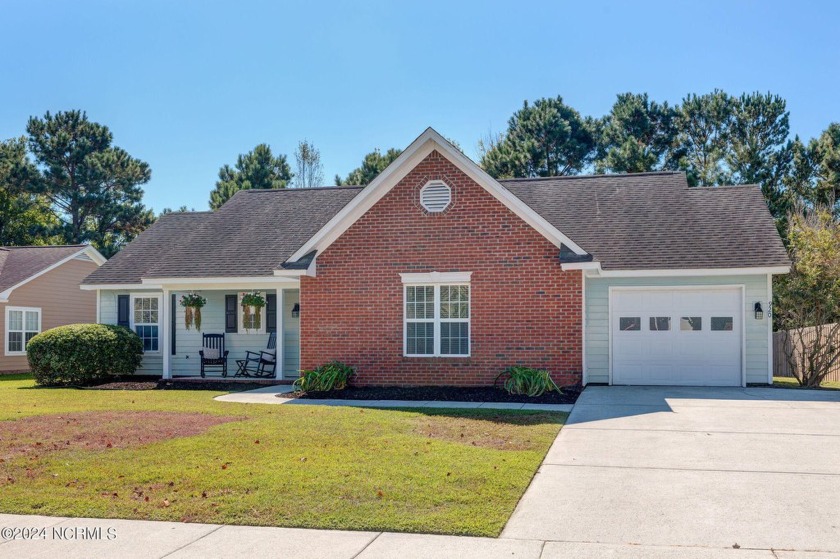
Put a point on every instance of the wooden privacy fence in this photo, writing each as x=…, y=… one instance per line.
x=781, y=367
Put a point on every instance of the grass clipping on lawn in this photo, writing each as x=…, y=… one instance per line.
x=199, y=460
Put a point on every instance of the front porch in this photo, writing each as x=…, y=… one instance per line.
x=171, y=349
x=223, y=315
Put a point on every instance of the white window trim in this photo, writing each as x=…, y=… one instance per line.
x=160, y=311
x=23, y=318
x=240, y=328
x=417, y=280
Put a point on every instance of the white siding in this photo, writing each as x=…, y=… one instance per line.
x=186, y=360
x=188, y=342
x=291, y=334
x=152, y=363
x=597, y=320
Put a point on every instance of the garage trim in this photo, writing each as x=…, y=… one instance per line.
x=744, y=317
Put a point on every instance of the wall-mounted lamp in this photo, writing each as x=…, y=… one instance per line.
x=296, y=310
x=759, y=312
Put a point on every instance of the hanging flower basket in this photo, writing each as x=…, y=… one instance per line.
x=252, y=304
x=192, y=303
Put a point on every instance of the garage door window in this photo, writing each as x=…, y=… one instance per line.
x=691, y=323
x=630, y=323
x=721, y=323
x=660, y=323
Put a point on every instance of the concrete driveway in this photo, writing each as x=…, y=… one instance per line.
x=692, y=469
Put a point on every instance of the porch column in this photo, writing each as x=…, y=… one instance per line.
x=164, y=331
x=281, y=323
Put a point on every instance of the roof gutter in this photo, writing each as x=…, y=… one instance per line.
x=594, y=270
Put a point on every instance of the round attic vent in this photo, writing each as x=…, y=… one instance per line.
x=435, y=196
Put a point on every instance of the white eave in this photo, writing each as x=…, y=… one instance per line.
x=593, y=269
x=419, y=149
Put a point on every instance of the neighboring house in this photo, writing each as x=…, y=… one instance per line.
x=436, y=273
x=39, y=290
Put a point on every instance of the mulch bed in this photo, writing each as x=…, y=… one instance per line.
x=439, y=393
x=220, y=385
x=140, y=382
x=125, y=385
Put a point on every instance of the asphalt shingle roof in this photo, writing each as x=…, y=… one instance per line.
x=20, y=263
x=635, y=221
x=655, y=221
x=250, y=235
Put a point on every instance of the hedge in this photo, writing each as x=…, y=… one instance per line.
x=79, y=354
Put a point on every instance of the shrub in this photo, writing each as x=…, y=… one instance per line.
x=79, y=354
x=332, y=376
x=527, y=381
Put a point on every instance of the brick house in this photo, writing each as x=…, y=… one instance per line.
x=436, y=273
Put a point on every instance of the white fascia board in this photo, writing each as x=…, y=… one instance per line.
x=427, y=142
x=94, y=255
x=683, y=272
x=363, y=201
x=118, y=286
x=249, y=280
x=506, y=197
x=436, y=277
x=297, y=273
x=581, y=266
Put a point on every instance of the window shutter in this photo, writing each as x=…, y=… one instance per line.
x=230, y=314
x=271, y=313
x=122, y=311
x=173, y=320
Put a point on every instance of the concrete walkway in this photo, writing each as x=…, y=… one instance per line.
x=637, y=473
x=268, y=395
x=138, y=539
x=692, y=468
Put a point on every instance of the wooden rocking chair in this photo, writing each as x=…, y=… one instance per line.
x=262, y=363
x=213, y=353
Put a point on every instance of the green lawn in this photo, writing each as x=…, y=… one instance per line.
x=180, y=455
x=790, y=382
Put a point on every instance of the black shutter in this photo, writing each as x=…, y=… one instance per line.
x=173, y=320
x=230, y=314
x=271, y=313
x=122, y=310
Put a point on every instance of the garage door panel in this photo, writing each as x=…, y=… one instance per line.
x=676, y=336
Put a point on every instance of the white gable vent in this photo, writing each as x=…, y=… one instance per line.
x=435, y=196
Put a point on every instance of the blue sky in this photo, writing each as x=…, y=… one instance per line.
x=188, y=85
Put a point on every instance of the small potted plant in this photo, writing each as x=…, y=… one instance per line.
x=192, y=303
x=252, y=304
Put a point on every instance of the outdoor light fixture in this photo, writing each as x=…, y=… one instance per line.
x=759, y=313
x=296, y=310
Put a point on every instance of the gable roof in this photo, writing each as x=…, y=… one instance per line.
x=649, y=221
x=643, y=221
x=251, y=235
x=19, y=264
x=428, y=141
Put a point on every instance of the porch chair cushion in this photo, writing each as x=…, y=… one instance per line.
x=211, y=353
x=269, y=355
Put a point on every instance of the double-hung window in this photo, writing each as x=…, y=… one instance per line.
x=145, y=321
x=437, y=315
x=22, y=324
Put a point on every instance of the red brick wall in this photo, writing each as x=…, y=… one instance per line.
x=525, y=309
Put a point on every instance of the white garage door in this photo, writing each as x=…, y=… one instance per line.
x=689, y=337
